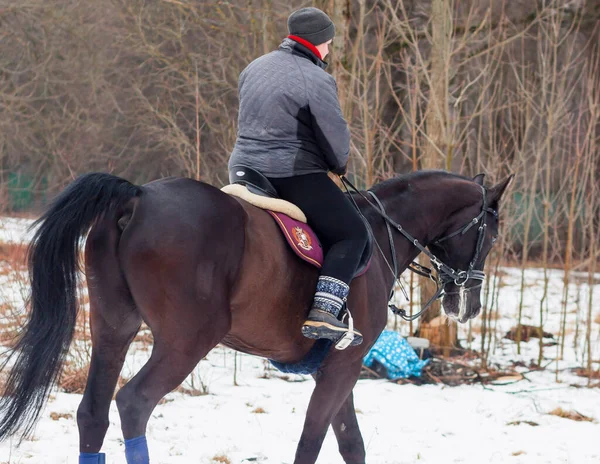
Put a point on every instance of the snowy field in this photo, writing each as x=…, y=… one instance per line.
x=260, y=419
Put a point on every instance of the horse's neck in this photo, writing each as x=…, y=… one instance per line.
x=422, y=215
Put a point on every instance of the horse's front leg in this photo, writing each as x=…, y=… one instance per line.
x=347, y=432
x=334, y=383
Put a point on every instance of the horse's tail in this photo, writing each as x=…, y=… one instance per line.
x=53, y=259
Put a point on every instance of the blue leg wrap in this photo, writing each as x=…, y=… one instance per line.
x=136, y=451
x=92, y=458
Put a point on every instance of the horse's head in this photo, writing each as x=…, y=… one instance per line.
x=464, y=246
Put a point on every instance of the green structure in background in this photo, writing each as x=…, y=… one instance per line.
x=558, y=213
x=22, y=192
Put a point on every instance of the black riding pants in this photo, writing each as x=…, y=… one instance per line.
x=333, y=217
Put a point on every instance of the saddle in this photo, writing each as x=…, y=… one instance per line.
x=251, y=186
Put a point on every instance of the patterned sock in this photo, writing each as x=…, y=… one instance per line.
x=136, y=450
x=331, y=294
x=92, y=458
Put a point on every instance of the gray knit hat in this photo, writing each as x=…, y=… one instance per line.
x=311, y=24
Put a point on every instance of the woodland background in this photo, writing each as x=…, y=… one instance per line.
x=148, y=88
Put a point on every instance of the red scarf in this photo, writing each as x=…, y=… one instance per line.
x=307, y=44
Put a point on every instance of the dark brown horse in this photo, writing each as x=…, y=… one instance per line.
x=200, y=268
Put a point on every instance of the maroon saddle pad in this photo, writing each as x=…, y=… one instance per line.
x=303, y=240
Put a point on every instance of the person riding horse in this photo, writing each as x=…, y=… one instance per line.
x=191, y=262
x=291, y=130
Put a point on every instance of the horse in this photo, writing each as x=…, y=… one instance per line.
x=200, y=267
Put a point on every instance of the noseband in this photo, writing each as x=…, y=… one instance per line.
x=445, y=273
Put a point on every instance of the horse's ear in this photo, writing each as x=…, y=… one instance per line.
x=478, y=179
x=495, y=193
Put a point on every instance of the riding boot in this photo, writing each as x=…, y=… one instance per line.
x=323, y=320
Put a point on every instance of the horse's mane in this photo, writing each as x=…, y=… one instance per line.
x=402, y=186
x=398, y=181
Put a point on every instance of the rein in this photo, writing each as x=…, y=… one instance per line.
x=445, y=273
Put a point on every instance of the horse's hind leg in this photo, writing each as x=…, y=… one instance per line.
x=114, y=321
x=185, y=330
x=334, y=383
x=347, y=432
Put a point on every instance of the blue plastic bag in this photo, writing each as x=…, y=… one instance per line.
x=394, y=353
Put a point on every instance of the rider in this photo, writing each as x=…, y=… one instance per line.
x=291, y=129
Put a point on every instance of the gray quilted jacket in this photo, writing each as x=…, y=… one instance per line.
x=290, y=122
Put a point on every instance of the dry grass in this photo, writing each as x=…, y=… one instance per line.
x=527, y=332
x=60, y=415
x=259, y=410
x=536, y=263
x=3, y=378
x=221, y=458
x=10, y=330
x=573, y=415
x=73, y=378
x=475, y=328
x=14, y=253
x=518, y=453
x=82, y=332
x=12, y=264
x=121, y=382
x=144, y=337
x=583, y=372
x=570, y=330
x=496, y=315
x=531, y=423
x=584, y=279
x=191, y=391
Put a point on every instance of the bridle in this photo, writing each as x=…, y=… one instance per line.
x=445, y=273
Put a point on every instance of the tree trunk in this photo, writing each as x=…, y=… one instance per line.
x=436, y=155
x=339, y=12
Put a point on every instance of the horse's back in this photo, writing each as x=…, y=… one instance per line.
x=190, y=219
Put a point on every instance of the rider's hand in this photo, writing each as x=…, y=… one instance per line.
x=340, y=171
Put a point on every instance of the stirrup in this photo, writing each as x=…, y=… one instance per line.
x=346, y=339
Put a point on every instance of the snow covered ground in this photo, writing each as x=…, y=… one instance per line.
x=14, y=230
x=400, y=423
x=260, y=419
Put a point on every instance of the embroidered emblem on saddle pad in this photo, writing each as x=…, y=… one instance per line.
x=300, y=237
